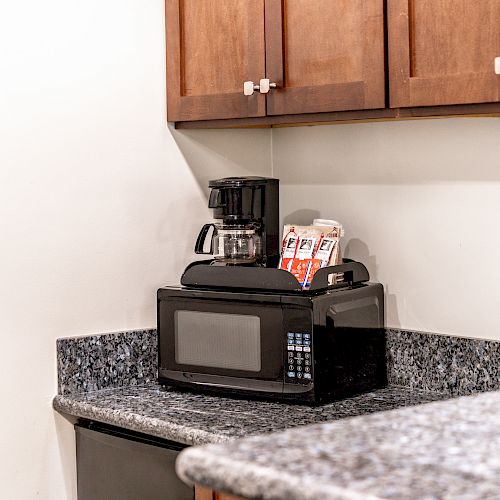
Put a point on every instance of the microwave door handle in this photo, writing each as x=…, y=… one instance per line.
x=331, y=315
x=321, y=316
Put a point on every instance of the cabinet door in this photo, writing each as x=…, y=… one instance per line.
x=213, y=47
x=203, y=493
x=324, y=55
x=114, y=463
x=443, y=52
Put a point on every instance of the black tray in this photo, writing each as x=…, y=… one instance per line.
x=202, y=274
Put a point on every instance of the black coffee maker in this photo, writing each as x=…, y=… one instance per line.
x=247, y=229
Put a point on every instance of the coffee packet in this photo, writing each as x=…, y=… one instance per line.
x=305, y=249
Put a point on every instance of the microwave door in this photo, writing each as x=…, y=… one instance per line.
x=229, y=344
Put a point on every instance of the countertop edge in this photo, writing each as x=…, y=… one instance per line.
x=258, y=482
x=134, y=422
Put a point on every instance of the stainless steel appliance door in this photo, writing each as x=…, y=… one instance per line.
x=230, y=339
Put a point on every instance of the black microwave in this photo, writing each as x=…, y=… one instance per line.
x=283, y=346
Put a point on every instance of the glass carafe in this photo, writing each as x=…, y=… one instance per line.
x=232, y=243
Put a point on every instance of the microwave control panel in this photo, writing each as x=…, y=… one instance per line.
x=299, y=357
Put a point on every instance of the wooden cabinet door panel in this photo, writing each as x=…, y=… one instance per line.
x=443, y=52
x=324, y=55
x=202, y=493
x=225, y=496
x=213, y=46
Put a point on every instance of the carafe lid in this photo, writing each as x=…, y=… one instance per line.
x=228, y=182
x=250, y=228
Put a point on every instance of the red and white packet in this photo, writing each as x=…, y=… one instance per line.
x=305, y=249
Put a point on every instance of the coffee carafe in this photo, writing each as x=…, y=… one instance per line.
x=247, y=227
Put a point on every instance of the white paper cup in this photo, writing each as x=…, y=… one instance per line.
x=326, y=222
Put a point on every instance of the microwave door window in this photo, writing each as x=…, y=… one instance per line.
x=218, y=340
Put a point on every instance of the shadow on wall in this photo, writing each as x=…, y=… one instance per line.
x=357, y=249
x=303, y=217
x=403, y=152
x=213, y=154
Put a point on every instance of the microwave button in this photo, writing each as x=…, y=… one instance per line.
x=299, y=348
x=305, y=349
x=299, y=368
x=308, y=362
x=292, y=348
x=306, y=342
x=290, y=341
x=307, y=369
x=290, y=335
x=307, y=336
x=307, y=355
x=299, y=375
x=307, y=375
x=291, y=367
x=291, y=374
x=299, y=361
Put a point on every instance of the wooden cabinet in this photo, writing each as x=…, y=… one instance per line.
x=213, y=46
x=202, y=493
x=443, y=52
x=323, y=55
x=327, y=59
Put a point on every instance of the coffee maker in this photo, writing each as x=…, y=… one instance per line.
x=247, y=229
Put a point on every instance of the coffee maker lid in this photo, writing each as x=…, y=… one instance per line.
x=229, y=182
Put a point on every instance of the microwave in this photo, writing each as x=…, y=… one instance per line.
x=288, y=347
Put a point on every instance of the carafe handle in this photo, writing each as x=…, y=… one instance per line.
x=200, y=242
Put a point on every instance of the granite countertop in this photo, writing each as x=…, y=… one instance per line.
x=446, y=449
x=442, y=450
x=195, y=419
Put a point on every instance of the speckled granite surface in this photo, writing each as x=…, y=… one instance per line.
x=97, y=362
x=440, y=450
x=454, y=365
x=198, y=419
x=444, y=450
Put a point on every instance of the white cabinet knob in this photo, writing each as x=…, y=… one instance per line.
x=264, y=86
x=249, y=87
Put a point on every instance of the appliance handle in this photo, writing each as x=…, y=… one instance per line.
x=331, y=315
x=353, y=273
x=200, y=241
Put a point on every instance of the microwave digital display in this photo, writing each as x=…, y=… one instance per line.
x=219, y=340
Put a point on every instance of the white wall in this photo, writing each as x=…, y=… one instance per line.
x=420, y=201
x=94, y=188
x=100, y=203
